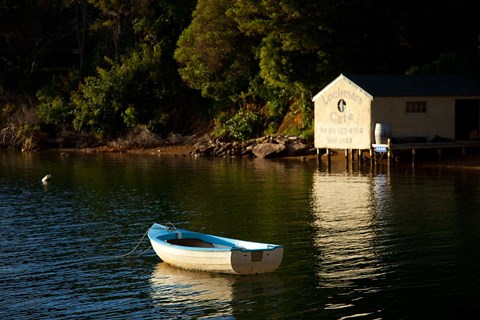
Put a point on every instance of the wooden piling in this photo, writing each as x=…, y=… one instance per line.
x=346, y=158
x=413, y=156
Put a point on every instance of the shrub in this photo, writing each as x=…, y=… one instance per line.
x=124, y=96
x=22, y=129
x=245, y=124
x=139, y=137
x=54, y=105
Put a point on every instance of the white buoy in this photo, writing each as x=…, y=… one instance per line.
x=46, y=178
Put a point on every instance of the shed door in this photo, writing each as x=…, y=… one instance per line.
x=466, y=118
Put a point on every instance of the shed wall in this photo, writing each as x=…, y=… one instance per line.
x=438, y=120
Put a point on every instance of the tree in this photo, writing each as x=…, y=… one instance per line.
x=36, y=41
x=447, y=63
x=291, y=39
x=142, y=87
x=214, y=56
x=115, y=17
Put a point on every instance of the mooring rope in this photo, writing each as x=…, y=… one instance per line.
x=138, y=244
x=149, y=247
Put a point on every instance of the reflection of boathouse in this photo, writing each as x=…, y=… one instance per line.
x=414, y=111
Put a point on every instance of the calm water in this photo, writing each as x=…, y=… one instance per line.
x=396, y=244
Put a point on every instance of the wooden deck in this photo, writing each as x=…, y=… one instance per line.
x=429, y=145
x=391, y=148
x=388, y=151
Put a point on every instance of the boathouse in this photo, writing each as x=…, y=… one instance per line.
x=350, y=109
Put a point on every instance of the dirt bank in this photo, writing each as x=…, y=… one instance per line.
x=167, y=150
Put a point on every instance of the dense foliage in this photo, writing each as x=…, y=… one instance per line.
x=109, y=66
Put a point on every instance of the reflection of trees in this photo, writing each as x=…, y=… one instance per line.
x=242, y=198
x=245, y=198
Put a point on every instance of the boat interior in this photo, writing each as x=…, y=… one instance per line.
x=191, y=242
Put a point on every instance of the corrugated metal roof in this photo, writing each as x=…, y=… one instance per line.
x=418, y=85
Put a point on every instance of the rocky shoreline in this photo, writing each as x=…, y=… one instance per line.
x=271, y=146
x=264, y=147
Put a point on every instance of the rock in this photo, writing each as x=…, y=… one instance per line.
x=297, y=148
x=174, y=138
x=269, y=150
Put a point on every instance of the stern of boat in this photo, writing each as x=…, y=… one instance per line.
x=256, y=261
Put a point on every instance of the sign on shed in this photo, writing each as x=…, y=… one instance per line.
x=343, y=116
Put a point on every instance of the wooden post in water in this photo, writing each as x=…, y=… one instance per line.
x=389, y=150
x=414, y=153
x=319, y=158
x=359, y=157
x=346, y=159
x=328, y=159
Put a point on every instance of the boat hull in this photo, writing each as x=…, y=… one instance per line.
x=219, y=254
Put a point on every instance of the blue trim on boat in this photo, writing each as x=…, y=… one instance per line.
x=164, y=234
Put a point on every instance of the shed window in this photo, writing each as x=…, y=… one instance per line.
x=416, y=107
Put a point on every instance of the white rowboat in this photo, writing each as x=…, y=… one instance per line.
x=199, y=251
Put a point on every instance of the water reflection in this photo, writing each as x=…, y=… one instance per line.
x=348, y=262
x=201, y=294
x=191, y=293
x=344, y=218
